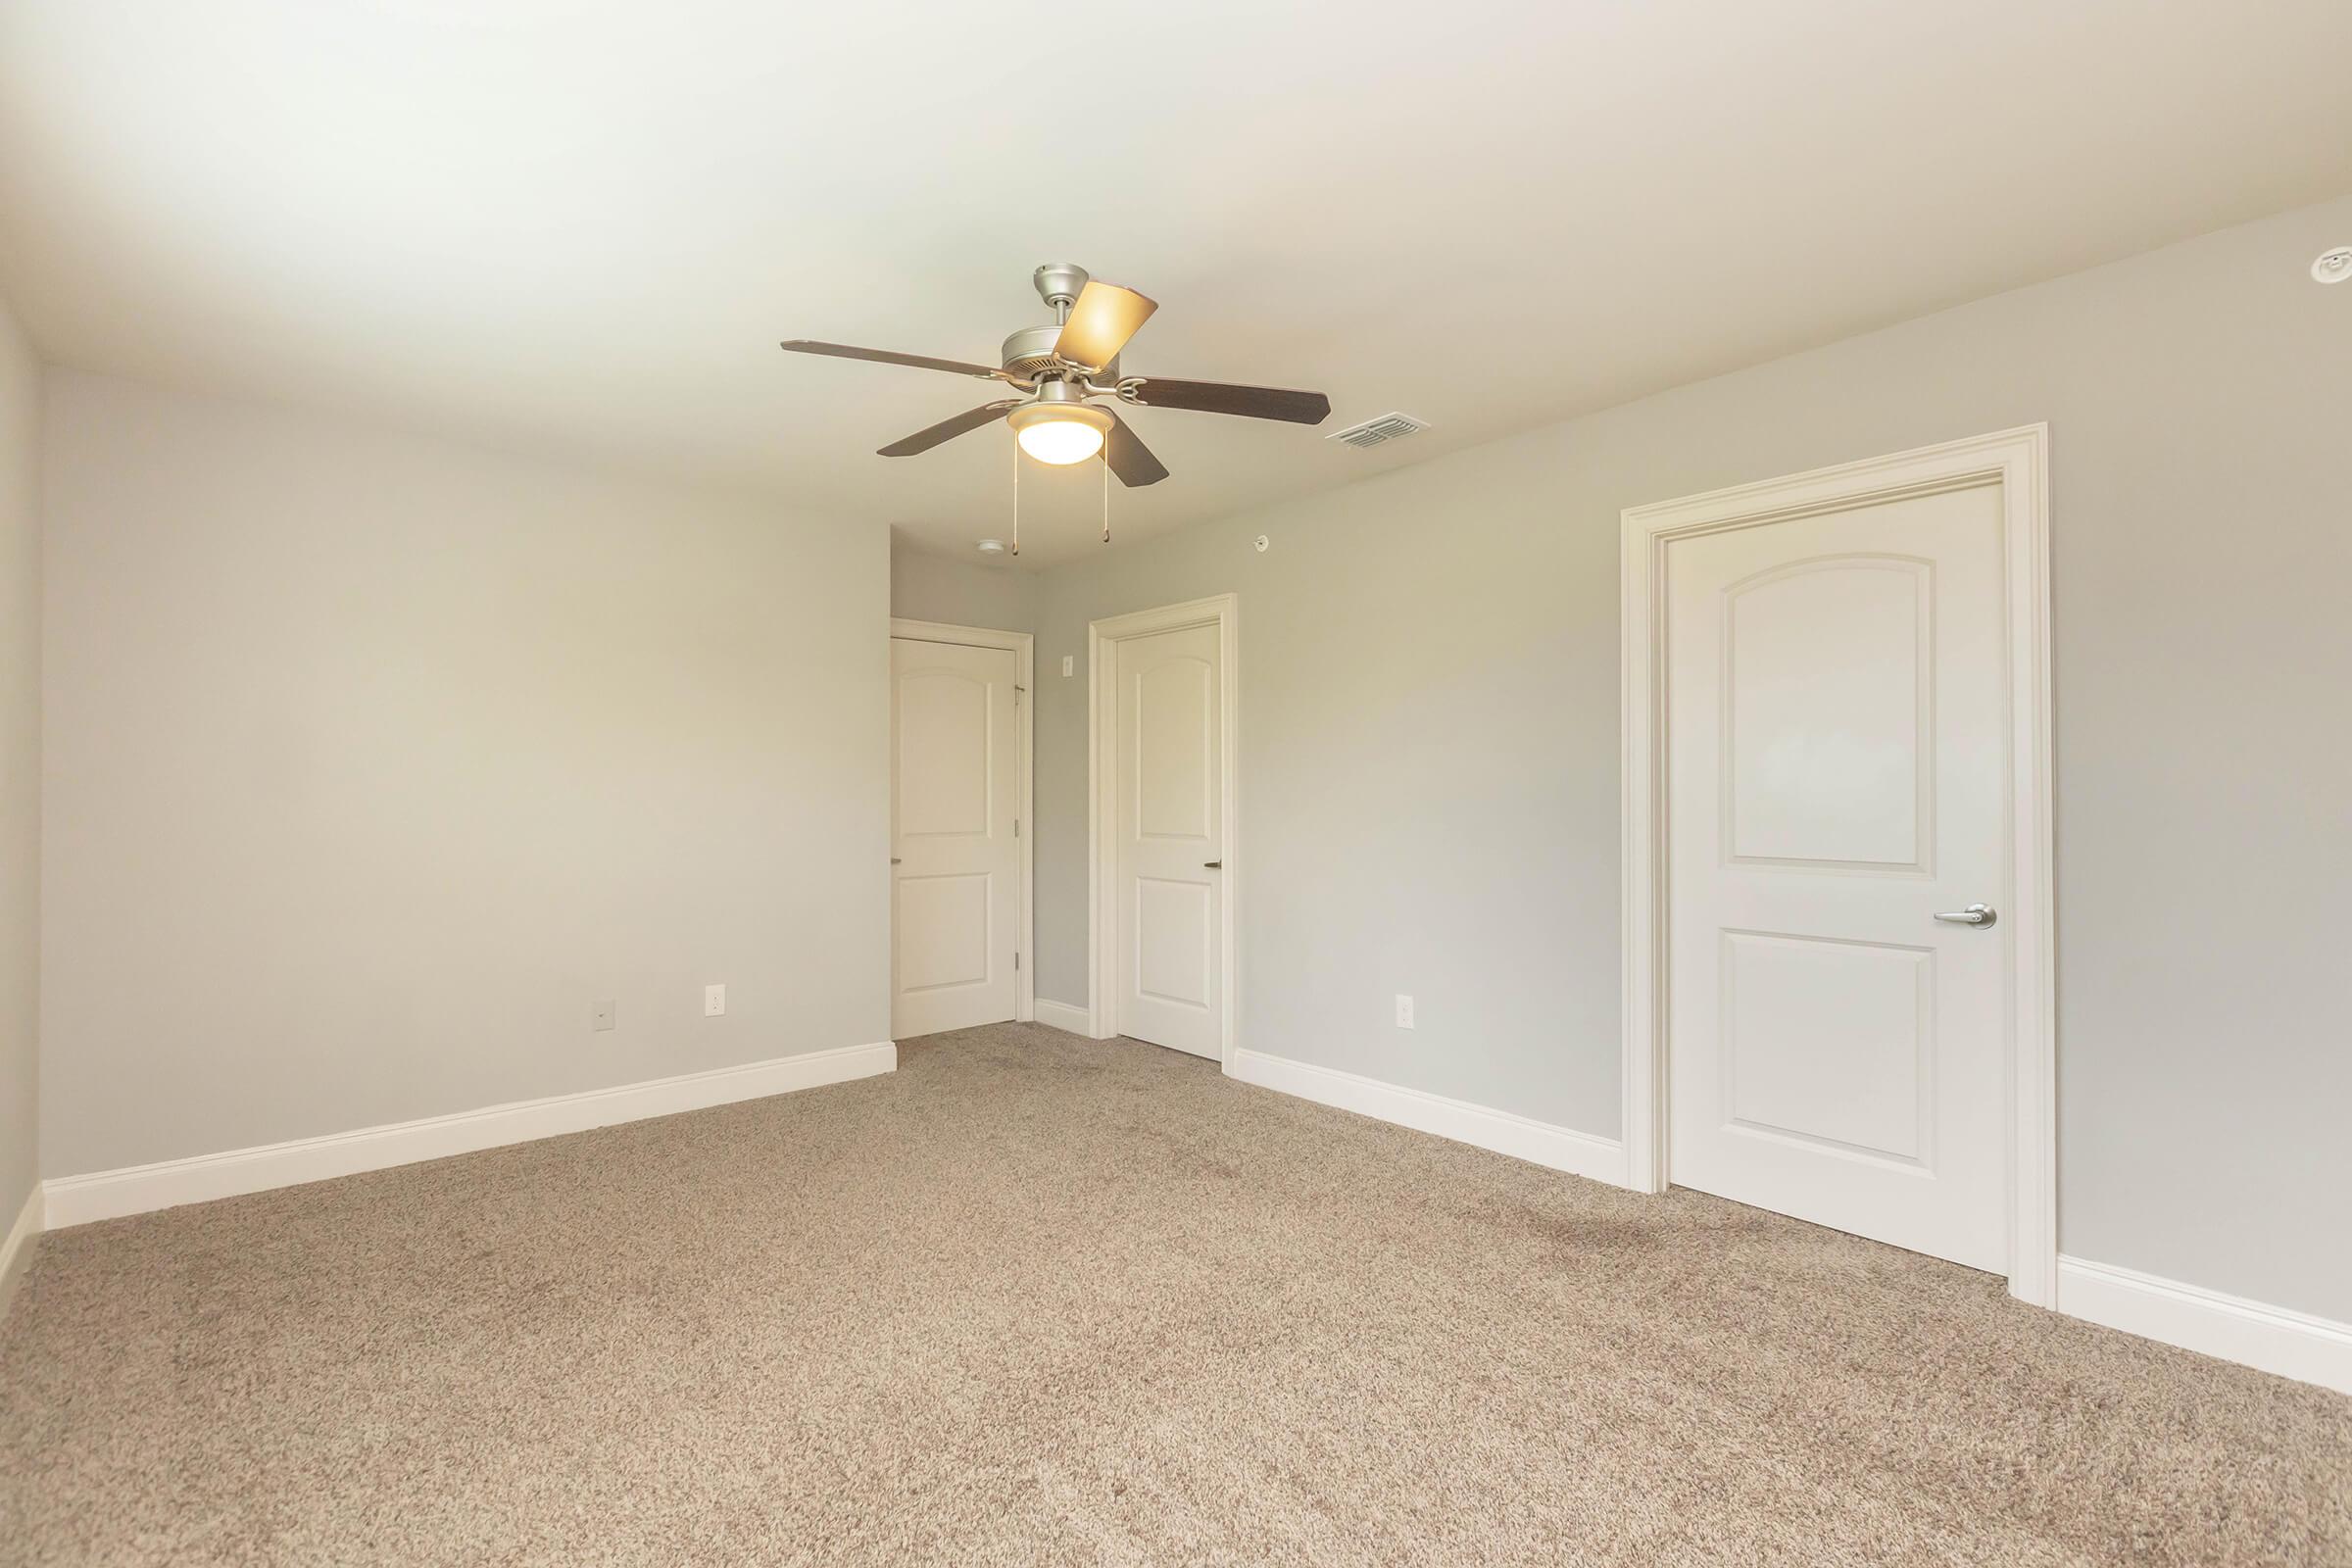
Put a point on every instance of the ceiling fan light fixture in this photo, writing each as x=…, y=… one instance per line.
x=1058, y=368
x=1061, y=433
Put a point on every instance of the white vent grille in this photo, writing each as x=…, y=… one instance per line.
x=1372, y=432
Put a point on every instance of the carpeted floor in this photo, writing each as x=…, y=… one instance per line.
x=1038, y=1300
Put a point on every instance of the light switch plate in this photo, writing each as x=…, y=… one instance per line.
x=1404, y=1011
x=1069, y=666
x=714, y=1001
x=602, y=1016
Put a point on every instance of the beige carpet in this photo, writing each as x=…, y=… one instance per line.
x=1037, y=1299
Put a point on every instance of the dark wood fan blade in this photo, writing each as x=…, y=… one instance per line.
x=1216, y=397
x=843, y=351
x=950, y=429
x=1101, y=319
x=1131, y=462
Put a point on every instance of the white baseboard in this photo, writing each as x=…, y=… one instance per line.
x=15, y=1253
x=1578, y=1154
x=2293, y=1345
x=138, y=1189
x=1061, y=1015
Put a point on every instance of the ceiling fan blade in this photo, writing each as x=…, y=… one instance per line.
x=1129, y=459
x=843, y=351
x=1216, y=397
x=1104, y=317
x=950, y=429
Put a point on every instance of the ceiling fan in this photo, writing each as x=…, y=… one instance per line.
x=1067, y=368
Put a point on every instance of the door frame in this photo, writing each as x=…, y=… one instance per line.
x=1102, y=639
x=2018, y=461
x=1023, y=646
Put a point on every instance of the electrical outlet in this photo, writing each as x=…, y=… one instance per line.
x=714, y=1001
x=1069, y=666
x=600, y=1017
x=1404, y=1011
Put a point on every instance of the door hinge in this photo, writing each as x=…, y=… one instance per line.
x=1017, y=961
x=1016, y=827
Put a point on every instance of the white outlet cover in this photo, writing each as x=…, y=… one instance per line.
x=714, y=1001
x=1404, y=1011
x=1069, y=666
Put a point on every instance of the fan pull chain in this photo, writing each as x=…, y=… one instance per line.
x=1106, y=492
x=1016, y=496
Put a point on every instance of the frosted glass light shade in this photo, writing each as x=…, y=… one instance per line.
x=1061, y=433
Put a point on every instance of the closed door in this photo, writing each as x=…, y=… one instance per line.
x=956, y=856
x=1169, y=839
x=1836, y=761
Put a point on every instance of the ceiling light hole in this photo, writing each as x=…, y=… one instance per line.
x=2335, y=266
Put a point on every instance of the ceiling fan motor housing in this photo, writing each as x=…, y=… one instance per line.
x=1029, y=355
x=1030, y=350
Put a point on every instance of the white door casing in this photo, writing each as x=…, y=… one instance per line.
x=1163, y=830
x=1853, y=739
x=959, y=903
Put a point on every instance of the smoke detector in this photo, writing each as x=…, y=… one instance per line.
x=2335, y=266
x=1372, y=432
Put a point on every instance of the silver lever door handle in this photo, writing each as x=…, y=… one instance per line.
x=1974, y=914
x=1213, y=865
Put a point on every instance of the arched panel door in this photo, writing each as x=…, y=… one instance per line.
x=955, y=892
x=1836, y=771
x=1169, y=838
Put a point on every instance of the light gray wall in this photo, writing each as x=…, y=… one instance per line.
x=373, y=762
x=1429, y=770
x=927, y=586
x=20, y=767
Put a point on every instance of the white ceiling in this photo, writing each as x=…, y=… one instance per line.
x=583, y=227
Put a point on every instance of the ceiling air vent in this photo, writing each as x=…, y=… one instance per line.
x=1372, y=432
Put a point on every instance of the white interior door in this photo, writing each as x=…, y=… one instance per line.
x=1837, y=767
x=1168, y=837
x=955, y=871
